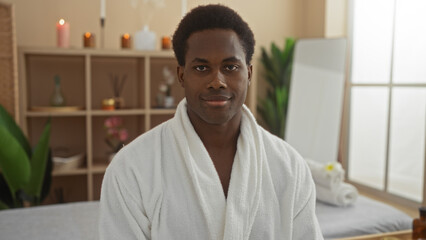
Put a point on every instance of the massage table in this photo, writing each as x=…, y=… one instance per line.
x=75, y=221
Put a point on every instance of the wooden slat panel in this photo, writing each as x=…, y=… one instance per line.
x=8, y=66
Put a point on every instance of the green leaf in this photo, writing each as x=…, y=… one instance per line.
x=288, y=50
x=5, y=196
x=276, y=56
x=266, y=62
x=13, y=162
x=38, y=164
x=47, y=181
x=271, y=114
x=9, y=123
x=277, y=73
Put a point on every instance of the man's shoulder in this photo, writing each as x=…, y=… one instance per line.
x=142, y=150
x=146, y=138
x=273, y=141
x=280, y=152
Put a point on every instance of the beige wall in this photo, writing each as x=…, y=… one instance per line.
x=311, y=18
x=335, y=18
x=270, y=20
x=322, y=18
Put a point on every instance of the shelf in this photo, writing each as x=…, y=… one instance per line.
x=55, y=114
x=77, y=171
x=99, y=168
x=118, y=112
x=87, y=78
x=160, y=111
x=56, y=109
x=96, y=52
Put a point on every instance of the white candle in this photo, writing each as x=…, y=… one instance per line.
x=63, y=33
x=184, y=4
x=102, y=8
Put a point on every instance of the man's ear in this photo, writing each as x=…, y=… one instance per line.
x=250, y=73
x=179, y=72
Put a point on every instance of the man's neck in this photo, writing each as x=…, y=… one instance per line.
x=218, y=136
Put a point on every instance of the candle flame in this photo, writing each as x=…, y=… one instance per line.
x=126, y=36
x=87, y=35
x=62, y=21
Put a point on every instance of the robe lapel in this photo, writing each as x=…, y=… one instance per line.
x=202, y=172
x=232, y=218
x=246, y=180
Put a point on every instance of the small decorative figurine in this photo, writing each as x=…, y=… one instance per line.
x=165, y=98
x=57, y=99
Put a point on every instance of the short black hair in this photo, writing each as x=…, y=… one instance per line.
x=213, y=16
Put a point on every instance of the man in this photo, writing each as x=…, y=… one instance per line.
x=210, y=172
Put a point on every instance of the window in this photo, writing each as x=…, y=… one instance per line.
x=387, y=116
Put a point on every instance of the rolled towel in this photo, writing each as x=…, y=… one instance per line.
x=343, y=195
x=328, y=175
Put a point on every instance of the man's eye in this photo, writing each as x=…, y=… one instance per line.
x=231, y=67
x=200, y=68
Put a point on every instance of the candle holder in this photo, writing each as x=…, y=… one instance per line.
x=126, y=41
x=88, y=40
x=166, y=43
x=108, y=104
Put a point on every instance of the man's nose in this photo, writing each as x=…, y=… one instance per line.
x=218, y=80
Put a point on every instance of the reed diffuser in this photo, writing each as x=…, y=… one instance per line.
x=117, y=84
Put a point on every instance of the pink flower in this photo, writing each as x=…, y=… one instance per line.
x=111, y=131
x=116, y=134
x=108, y=123
x=123, y=135
x=116, y=121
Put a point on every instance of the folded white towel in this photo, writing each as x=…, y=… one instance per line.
x=343, y=195
x=328, y=175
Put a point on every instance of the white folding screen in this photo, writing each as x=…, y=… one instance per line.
x=316, y=98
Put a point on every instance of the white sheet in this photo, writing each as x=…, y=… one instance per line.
x=71, y=221
x=79, y=221
x=366, y=216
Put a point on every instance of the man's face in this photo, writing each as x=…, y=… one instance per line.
x=215, y=76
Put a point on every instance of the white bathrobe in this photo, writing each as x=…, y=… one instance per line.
x=164, y=186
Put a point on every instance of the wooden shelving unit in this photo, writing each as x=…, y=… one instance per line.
x=85, y=83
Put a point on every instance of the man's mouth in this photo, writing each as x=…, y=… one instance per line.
x=216, y=100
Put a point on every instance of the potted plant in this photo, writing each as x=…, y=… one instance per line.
x=277, y=73
x=25, y=173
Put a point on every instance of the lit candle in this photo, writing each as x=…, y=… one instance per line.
x=63, y=33
x=103, y=9
x=125, y=41
x=88, y=39
x=166, y=43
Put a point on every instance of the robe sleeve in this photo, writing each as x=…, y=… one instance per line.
x=305, y=222
x=122, y=215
